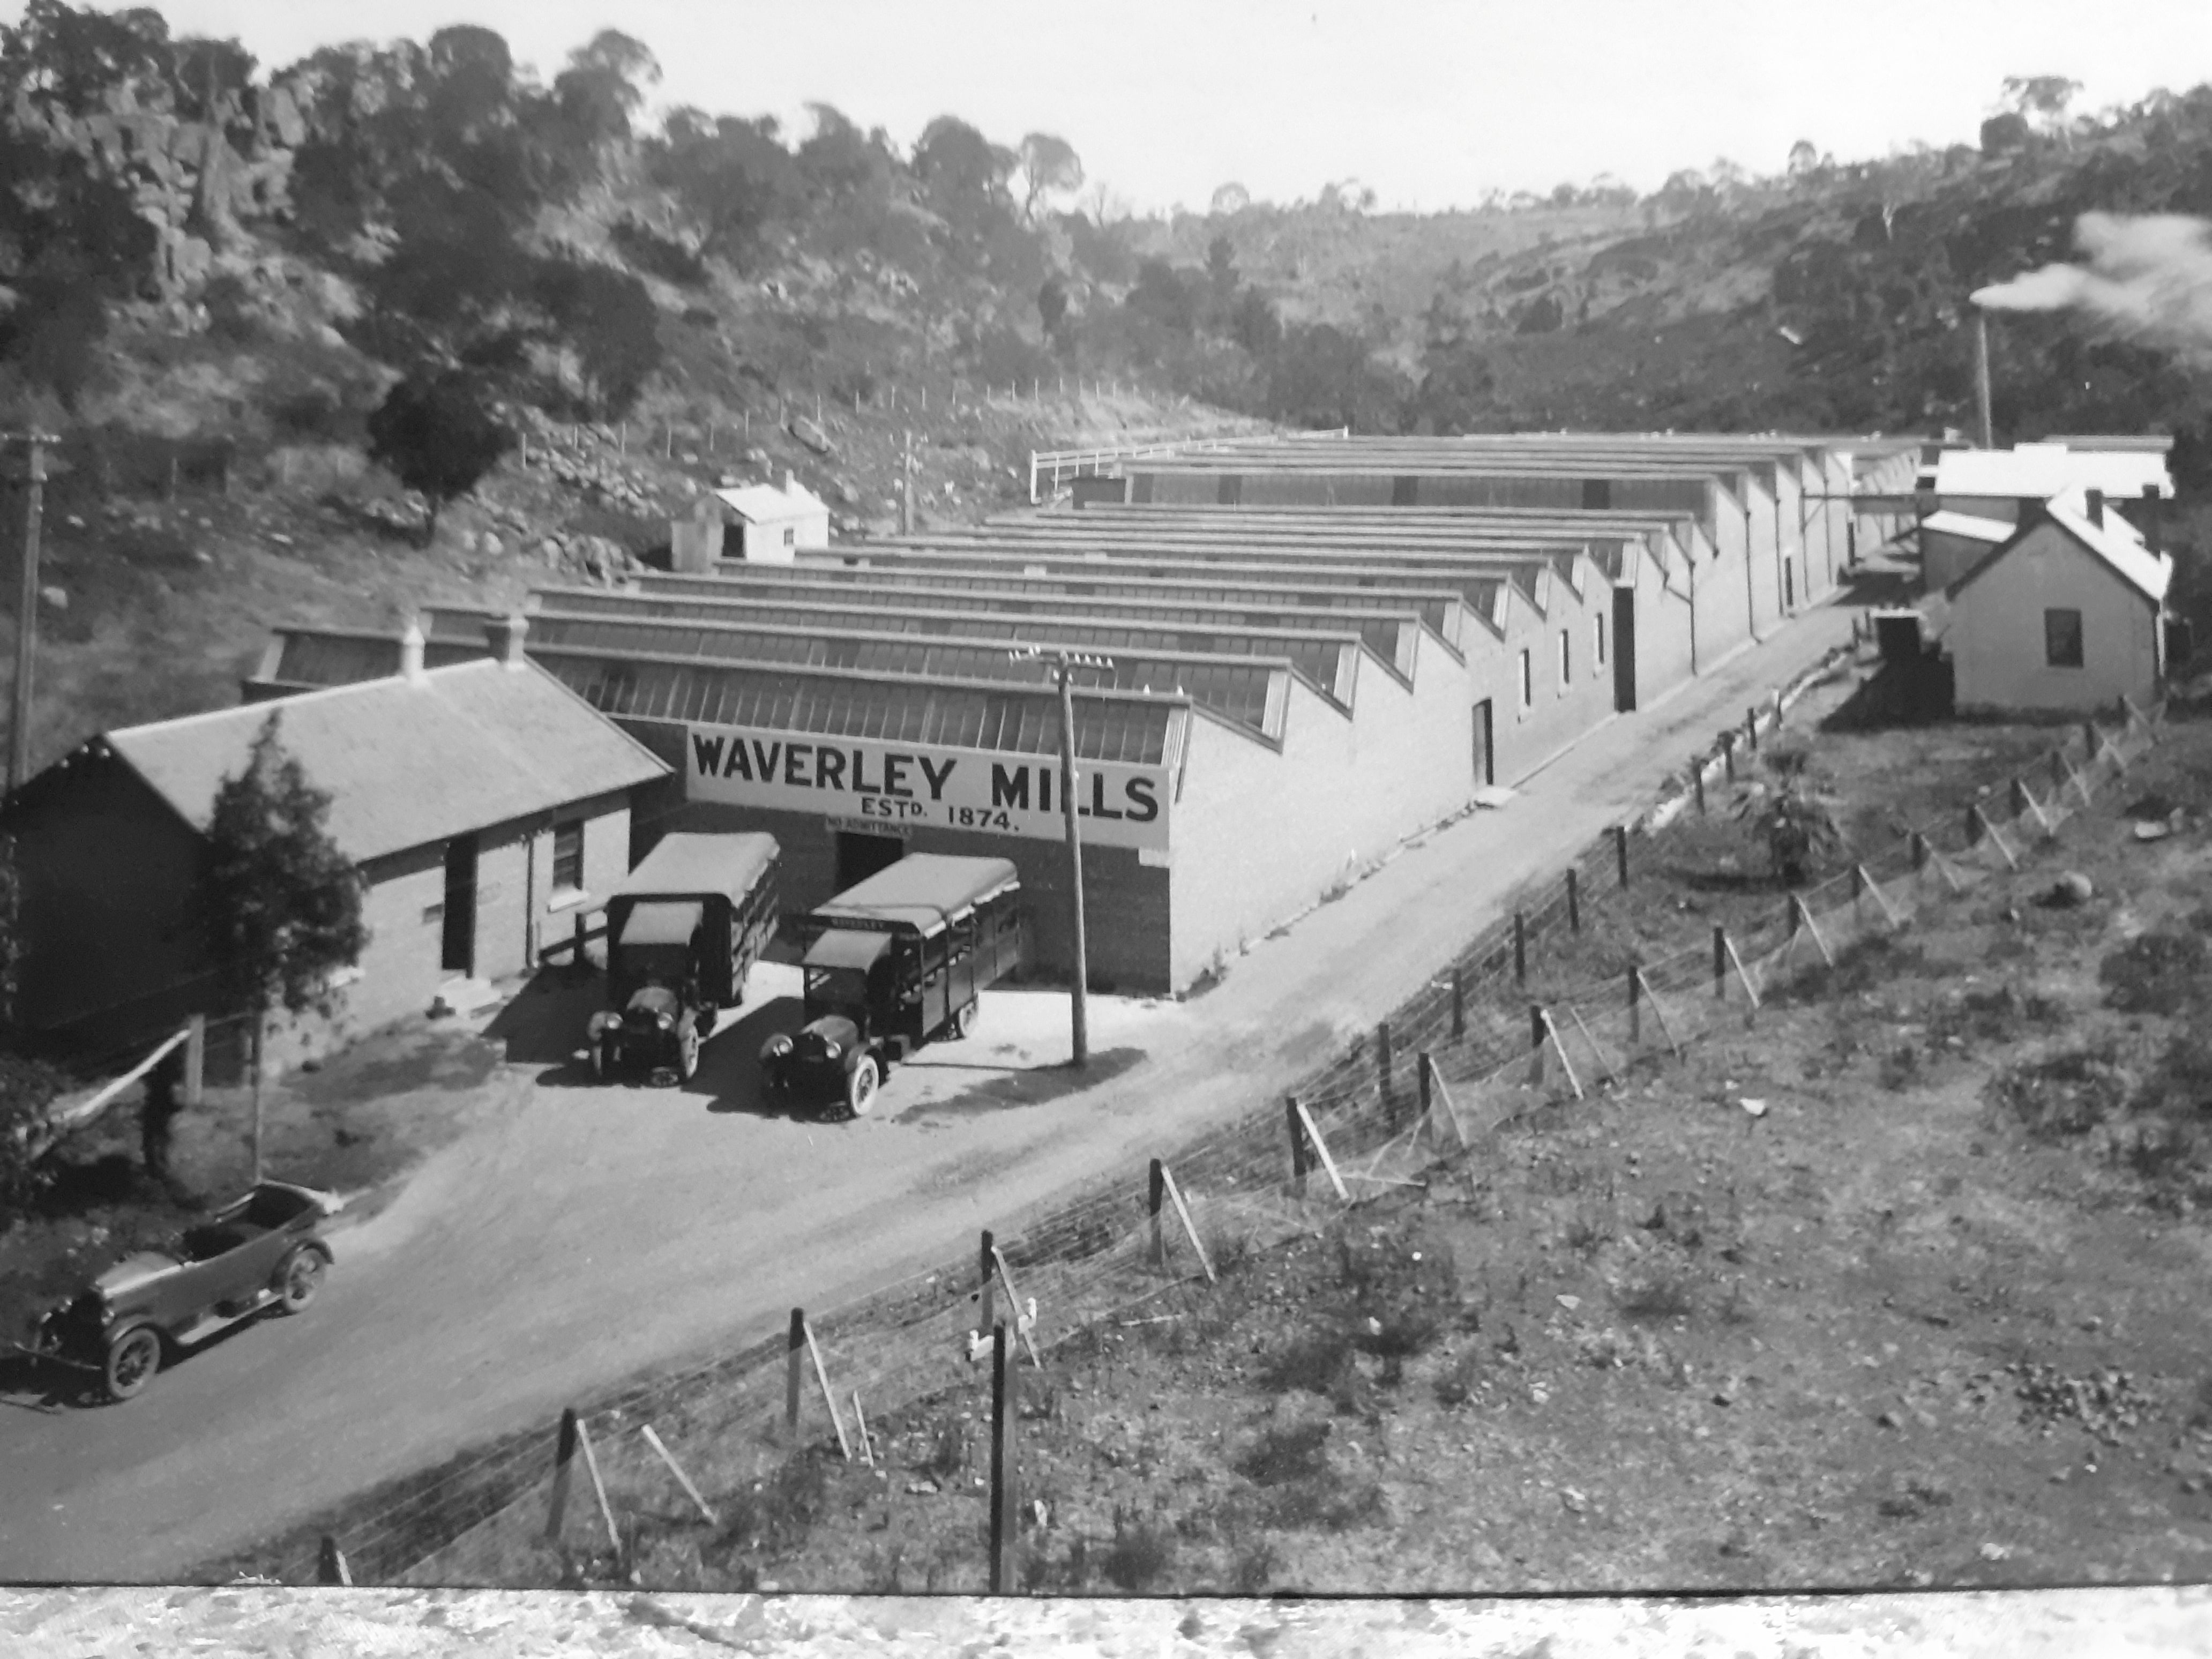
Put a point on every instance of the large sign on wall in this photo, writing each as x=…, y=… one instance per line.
x=897, y=787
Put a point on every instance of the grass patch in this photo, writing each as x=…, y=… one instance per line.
x=1140, y=1555
x=1659, y=1294
x=1285, y=1453
x=2157, y=973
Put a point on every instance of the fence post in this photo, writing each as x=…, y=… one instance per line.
x=1727, y=753
x=1789, y=912
x=579, y=959
x=1750, y=729
x=1421, y=1066
x=1297, y=1145
x=1620, y=851
x=1859, y=893
x=1520, y=949
x=1383, y=1062
x=1002, y=1462
x=1158, y=1196
x=795, y=1347
x=2058, y=770
x=1698, y=781
x=330, y=1563
x=1635, y=1005
x=1720, y=964
x=195, y=1059
x=564, y=1460
x=1535, y=1042
x=1459, y=1003
x=1918, y=845
x=1574, y=900
x=986, y=1314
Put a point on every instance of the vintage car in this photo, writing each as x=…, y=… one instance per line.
x=262, y=1251
x=896, y=962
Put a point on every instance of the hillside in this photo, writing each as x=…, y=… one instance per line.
x=214, y=275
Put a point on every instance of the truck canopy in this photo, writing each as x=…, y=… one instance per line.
x=660, y=922
x=841, y=947
x=923, y=892
x=730, y=866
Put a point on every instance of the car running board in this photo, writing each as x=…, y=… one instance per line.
x=210, y=1323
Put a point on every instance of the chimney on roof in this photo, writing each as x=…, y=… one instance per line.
x=506, y=634
x=790, y=482
x=410, y=652
x=2095, y=500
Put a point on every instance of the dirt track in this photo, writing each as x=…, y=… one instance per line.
x=585, y=1234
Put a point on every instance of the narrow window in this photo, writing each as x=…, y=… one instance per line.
x=568, y=858
x=1566, y=667
x=2062, y=638
x=1528, y=683
x=790, y=537
x=1597, y=635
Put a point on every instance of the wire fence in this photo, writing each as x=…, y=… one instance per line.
x=1501, y=1033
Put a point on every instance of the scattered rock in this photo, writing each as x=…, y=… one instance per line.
x=1890, y=1420
x=922, y=1488
x=55, y=597
x=811, y=435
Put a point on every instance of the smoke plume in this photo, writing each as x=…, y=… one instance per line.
x=2148, y=277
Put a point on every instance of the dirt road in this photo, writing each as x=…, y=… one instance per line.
x=590, y=1233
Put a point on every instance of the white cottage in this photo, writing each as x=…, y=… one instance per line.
x=773, y=523
x=2068, y=616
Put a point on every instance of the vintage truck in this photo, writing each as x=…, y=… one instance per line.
x=896, y=962
x=684, y=930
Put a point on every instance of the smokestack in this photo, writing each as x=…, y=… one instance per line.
x=505, y=634
x=1982, y=378
x=410, y=652
x=2095, y=499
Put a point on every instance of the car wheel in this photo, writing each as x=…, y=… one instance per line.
x=860, y=1087
x=132, y=1359
x=600, y=1066
x=963, y=1022
x=687, y=1052
x=299, y=1278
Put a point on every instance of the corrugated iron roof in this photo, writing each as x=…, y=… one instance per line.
x=765, y=503
x=406, y=764
x=2038, y=472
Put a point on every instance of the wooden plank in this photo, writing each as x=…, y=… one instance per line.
x=1014, y=1305
x=1805, y=915
x=1552, y=1035
x=682, y=1479
x=1451, y=1109
x=1666, y=1025
x=1750, y=989
x=829, y=1396
x=564, y=1457
x=1190, y=1231
x=598, y=1486
x=1321, y=1151
x=1880, y=897
x=1604, y=1066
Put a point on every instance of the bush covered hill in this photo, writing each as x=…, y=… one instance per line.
x=283, y=315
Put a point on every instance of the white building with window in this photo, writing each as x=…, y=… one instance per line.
x=2068, y=616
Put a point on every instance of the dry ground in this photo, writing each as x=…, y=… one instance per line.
x=1933, y=1318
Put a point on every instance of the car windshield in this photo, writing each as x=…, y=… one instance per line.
x=655, y=964
x=838, y=990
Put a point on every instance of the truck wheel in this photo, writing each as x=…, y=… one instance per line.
x=687, y=1052
x=964, y=1023
x=132, y=1359
x=297, y=1279
x=860, y=1087
x=600, y=1066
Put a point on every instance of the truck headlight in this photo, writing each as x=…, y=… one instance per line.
x=778, y=1047
x=829, y=1050
x=666, y=1022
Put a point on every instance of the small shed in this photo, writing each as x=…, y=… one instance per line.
x=2067, y=615
x=773, y=524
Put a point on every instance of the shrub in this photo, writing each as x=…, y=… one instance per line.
x=1140, y=1554
x=1662, y=1293
x=777, y=1514
x=1456, y=1386
x=1254, y=1568
x=1404, y=1287
x=948, y=1452
x=1285, y=1453
x=2068, y=1093
x=1312, y=1362
x=2155, y=973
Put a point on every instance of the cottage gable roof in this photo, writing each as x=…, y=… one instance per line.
x=2038, y=472
x=2115, y=541
x=406, y=762
x=771, y=504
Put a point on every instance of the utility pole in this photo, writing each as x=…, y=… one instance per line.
x=1064, y=662
x=27, y=607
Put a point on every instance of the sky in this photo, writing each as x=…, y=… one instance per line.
x=1431, y=103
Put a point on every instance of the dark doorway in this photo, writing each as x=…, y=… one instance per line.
x=1623, y=649
x=1405, y=490
x=460, y=914
x=1486, y=760
x=1229, y=490
x=860, y=855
